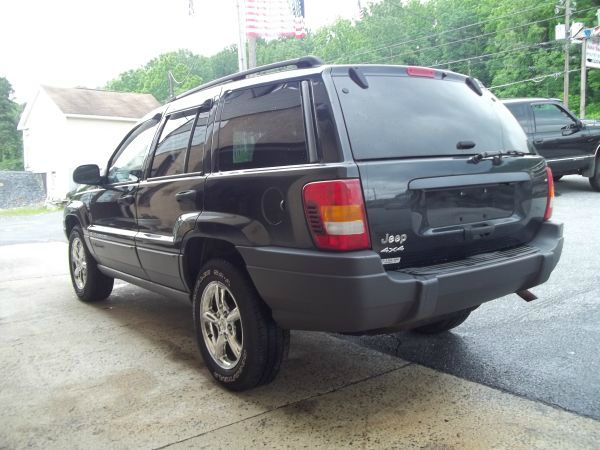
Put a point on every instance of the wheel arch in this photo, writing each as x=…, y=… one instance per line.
x=71, y=221
x=197, y=250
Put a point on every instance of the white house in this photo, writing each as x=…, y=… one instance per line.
x=63, y=128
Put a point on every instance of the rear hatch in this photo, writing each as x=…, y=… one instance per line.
x=416, y=135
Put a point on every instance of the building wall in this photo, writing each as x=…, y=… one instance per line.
x=90, y=141
x=43, y=137
x=55, y=144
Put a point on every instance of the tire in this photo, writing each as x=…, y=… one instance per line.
x=242, y=349
x=93, y=285
x=557, y=178
x=595, y=180
x=445, y=324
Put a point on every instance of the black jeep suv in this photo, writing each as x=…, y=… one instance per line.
x=337, y=198
x=569, y=145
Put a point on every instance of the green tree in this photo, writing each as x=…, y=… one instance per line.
x=504, y=43
x=11, y=144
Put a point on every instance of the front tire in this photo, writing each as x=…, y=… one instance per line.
x=444, y=325
x=89, y=283
x=240, y=343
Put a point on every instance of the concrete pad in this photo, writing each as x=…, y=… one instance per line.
x=126, y=372
x=411, y=407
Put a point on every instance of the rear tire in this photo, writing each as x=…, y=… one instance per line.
x=89, y=283
x=595, y=180
x=240, y=343
x=445, y=324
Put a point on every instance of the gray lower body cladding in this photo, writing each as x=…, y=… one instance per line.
x=351, y=292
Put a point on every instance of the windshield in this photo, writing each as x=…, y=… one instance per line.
x=403, y=116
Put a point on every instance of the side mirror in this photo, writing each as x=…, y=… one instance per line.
x=87, y=174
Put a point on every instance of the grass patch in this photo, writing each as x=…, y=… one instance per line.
x=28, y=211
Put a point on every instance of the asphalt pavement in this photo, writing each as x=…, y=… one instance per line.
x=546, y=350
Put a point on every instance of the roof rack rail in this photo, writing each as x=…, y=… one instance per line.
x=300, y=63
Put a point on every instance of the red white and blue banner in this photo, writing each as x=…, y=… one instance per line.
x=271, y=19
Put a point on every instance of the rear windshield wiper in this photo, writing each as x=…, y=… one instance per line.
x=496, y=157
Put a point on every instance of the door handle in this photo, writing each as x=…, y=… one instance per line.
x=538, y=141
x=185, y=195
x=126, y=200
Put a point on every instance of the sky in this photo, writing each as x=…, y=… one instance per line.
x=69, y=43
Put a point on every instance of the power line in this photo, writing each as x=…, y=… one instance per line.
x=441, y=33
x=537, y=79
x=470, y=38
x=524, y=47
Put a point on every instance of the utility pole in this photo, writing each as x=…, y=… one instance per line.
x=567, y=44
x=242, y=61
x=583, y=78
x=251, y=52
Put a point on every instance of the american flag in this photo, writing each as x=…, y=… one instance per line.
x=270, y=19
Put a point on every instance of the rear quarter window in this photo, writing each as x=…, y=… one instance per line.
x=262, y=126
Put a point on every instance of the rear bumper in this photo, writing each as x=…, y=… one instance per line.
x=351, y=292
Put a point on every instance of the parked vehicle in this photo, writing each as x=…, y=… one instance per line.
x=348, y=199
x=569, y=145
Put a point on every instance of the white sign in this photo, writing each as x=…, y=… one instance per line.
x=592, y=53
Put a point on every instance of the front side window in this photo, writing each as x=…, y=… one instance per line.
x=169, y=157
x=551, y=118
x=127, y=164
x=262, y=127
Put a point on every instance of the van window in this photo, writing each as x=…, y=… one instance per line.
x=169, y=157
x=262, y=127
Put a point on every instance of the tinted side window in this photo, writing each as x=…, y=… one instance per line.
x=197, y=149
x=550, y=117
x=128, y=162
x=169, y=157
x=262, y=127
x=521, y=113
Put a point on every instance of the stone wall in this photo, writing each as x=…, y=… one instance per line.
x=21, y=189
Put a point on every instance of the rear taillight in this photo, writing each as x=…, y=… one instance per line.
x=335, y=211
x=548, y=212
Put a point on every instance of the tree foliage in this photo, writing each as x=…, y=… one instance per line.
x=501, y=42
x=11, y=145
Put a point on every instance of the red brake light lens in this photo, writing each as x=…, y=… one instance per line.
x=548, y=212
x=417, y=71
x=335, y=211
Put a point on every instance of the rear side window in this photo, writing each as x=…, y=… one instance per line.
x=197, y=149
x=400, y=116
x=521, y=111
x=550, y=118
x=262, y=127
x=169, y=157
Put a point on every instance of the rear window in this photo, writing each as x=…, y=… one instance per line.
x=403, y=116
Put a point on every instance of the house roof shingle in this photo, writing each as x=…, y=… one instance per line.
x=95, y=102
